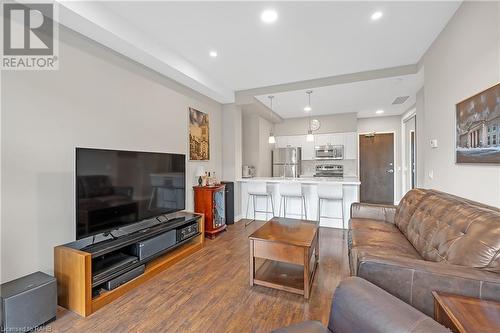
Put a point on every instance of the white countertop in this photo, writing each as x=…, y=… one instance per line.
x=304, y=180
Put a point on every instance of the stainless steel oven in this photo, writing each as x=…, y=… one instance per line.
x=329, y=152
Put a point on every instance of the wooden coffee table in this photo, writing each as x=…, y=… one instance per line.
x=284, y=255
x=466, y=314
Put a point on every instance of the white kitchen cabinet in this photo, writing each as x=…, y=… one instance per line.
x=290, y=141
x=307, y=150
x=348, y=140
x=296, y=140
x=337, y=139
x=322, y=139
x=350, y=146
x=281, y=141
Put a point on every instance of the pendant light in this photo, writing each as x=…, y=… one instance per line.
x=272, y=139
x=308, y=107
x=310, y=136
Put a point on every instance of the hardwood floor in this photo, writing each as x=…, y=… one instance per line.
x=210, y=292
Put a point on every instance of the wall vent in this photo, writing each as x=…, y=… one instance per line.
x=400, y=100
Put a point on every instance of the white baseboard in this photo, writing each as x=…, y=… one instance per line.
x=238, y=218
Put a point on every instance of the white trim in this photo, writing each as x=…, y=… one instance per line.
x=404, y=120
x=238, y=218
x=408, y=115
x=396, y=201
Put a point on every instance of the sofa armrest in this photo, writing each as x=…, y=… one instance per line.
x=384, y=213
x=413, y=280
x=359, y=306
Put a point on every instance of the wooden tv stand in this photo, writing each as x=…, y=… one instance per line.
x=73, y=271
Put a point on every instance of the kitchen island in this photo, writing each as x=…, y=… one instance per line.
x=332, y=209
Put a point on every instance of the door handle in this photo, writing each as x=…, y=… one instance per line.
x=390, y=171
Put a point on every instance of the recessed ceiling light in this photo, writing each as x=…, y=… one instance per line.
x=379, y=111
x=269, y=16
x=307, y=108
x=213, y=54
x=377, y=15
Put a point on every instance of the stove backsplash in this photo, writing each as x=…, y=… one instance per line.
x=350, y=167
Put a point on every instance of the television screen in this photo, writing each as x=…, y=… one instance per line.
x=115, y=188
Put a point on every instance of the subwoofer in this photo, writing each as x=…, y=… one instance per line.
x=28, y=302
x=229, y=201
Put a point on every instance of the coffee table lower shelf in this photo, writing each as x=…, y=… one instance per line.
x=280, y=275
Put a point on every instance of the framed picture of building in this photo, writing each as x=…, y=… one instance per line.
x=199, y=136
x=478, y=128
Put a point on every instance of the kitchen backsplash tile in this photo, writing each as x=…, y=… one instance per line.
x=350, y=167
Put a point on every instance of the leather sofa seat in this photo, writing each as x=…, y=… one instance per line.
x=371, y=237
x=430, y=241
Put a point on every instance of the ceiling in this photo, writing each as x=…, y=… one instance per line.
x=363, y=98
x=309, y=40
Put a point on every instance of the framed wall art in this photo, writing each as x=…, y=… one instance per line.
x=478, y=128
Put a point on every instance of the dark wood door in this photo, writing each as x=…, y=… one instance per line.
x=376, y=168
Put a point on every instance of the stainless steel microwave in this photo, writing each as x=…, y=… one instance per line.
x=329, y=152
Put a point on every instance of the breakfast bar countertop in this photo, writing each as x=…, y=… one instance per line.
x=304, y=180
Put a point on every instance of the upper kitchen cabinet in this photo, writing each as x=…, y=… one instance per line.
x=307, y=150
x=348, y=140
x=337, y=139
x=350, y=146
x=281, y=141
x=297, y=141
x=289, y=141
x=322, y=139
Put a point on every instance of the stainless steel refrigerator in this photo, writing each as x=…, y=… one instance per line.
x=286, y=162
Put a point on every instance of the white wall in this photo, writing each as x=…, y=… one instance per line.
x=256, y=148
x=462, y=61
x=420, y=130
x=265, y=149
x=385, y=125
x=250, y=140
x=95, y=99
x=232, y=150
x=346, y=122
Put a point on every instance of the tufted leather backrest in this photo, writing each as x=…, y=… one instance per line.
x=407, y=207
x=447, y=228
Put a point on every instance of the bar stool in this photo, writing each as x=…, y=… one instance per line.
x=292, y=190
x=330, y=192
x=259, y=190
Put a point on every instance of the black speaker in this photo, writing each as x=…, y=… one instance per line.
x=153, y=246
x=229, y=202
x=125, y=277
x=28, y=302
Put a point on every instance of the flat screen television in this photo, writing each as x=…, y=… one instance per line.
x=115, y=188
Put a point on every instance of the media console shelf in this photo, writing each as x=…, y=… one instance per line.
x=73, y=265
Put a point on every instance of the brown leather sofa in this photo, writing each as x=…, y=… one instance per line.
x=430, y=241
x=361, y=307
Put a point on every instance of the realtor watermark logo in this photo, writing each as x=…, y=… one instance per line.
x=30, y=36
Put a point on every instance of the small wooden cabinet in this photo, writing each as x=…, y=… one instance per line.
x=209, y=200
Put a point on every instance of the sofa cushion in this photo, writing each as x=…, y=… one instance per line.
x=373, y=237
x=381, y=236
x=457, y=231
x=370, y=224
x=407, y=207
